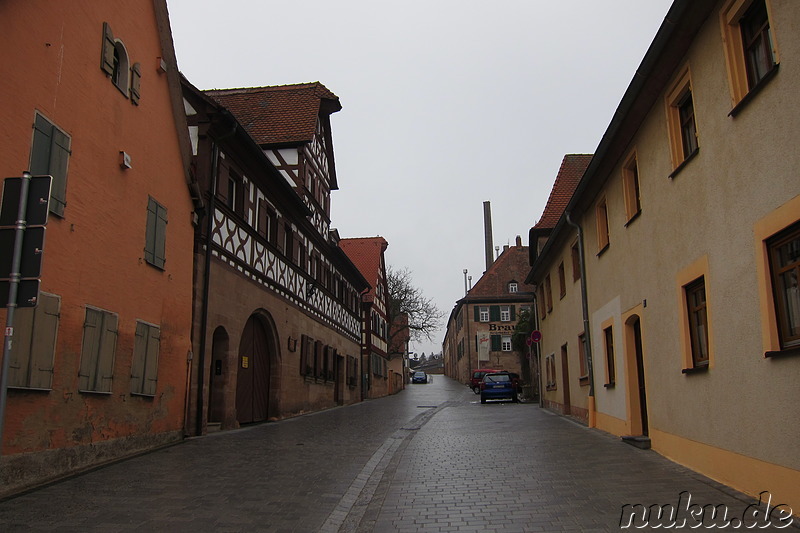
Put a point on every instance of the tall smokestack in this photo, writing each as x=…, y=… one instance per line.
x=487, y=231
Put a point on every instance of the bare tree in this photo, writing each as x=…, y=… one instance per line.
x=424, y=318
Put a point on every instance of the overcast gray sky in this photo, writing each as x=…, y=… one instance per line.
x=445, y=104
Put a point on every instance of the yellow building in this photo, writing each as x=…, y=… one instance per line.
x=688, y=333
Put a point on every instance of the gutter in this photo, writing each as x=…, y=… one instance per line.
x=586, y=325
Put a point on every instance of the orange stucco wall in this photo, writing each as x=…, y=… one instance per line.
x=94, y=255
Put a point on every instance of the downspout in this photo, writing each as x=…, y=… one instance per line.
x=206, y=282
x=586, y=331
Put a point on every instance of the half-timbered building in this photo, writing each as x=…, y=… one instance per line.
x=277, y=309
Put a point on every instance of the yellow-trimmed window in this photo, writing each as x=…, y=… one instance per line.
x=751, y=51
x=630, y=185
x=681, y=121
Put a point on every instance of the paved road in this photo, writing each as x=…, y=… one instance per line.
x=431, y=458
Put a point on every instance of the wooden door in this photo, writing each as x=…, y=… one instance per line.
x=637, y=341
x=252, y=384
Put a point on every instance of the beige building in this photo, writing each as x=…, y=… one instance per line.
x=689, y=221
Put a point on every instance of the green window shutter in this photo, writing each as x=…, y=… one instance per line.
x=107, y=55
x=477, y=313
x=496, y=346
x=161, y=236
x=139, y=355
x=513, y=312
x=43, y=343
x=494, y=313
x=108, y=345
x=42, y=144
x=136, y=80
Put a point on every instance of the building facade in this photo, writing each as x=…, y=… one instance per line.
x=689, y=222
x=481, y=325
x=277, y=307
x=368, y=254
x=90, y=94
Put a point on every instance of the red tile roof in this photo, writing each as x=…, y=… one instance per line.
x=366, y=254
x=572, y=168
x=283, y=114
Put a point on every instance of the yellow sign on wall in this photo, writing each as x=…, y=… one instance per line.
x=245, y=362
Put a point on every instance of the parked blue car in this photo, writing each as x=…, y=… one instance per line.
x=419, y=377
x=498, y=386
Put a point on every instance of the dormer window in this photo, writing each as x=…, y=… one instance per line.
x=512, y=287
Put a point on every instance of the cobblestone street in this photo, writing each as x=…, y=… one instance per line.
x=431, y=458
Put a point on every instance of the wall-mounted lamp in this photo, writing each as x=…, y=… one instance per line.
x=310, y=290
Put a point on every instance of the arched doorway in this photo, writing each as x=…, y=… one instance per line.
x=253, y=374
x=216, y=380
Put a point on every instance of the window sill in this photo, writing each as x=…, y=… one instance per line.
x=610, y=385
x=685, y=162
x=786, y=352
x=754, y=91
x=695, y=370
x=633, y=217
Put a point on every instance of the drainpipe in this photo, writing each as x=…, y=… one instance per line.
x=206, y=282
x=586, y=331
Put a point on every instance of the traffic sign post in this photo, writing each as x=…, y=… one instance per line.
x=25, y=202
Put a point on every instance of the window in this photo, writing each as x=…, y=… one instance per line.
x=548, y=293
x=541, y=301
x=784, y=255
x=584, y=376
x=156, y=234
x=512, y=287
x=576, y=262
x=306, y=356
x=483, y=314
x=601, y=213
x=608, y=342
x=49, y=155
x=562, y=282
x=505, y=343
x=751, y=52
x=630, y=184
x=505, y=313
x=97, y=351
x=31, y=361
x=115, y=63
x=681, y=119
x=698, y=321
x=144, y=367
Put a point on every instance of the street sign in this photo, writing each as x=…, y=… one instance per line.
x=536, y=336
x=27, y=292
x=30, y=265
x=37, y=205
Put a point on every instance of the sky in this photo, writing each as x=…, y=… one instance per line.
x=446, y=104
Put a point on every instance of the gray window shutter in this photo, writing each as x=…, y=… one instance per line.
x=108, y=345
x=155, y=234
x=19, y=360
x=43, y=342
x=59, y=157
x=136, y=80
x=107, y=56
x=494, y=313
x=97, y=353
x=151, y=362
x=137, y=365
x=87, y=376
x=496, y=343
x=42, y=144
